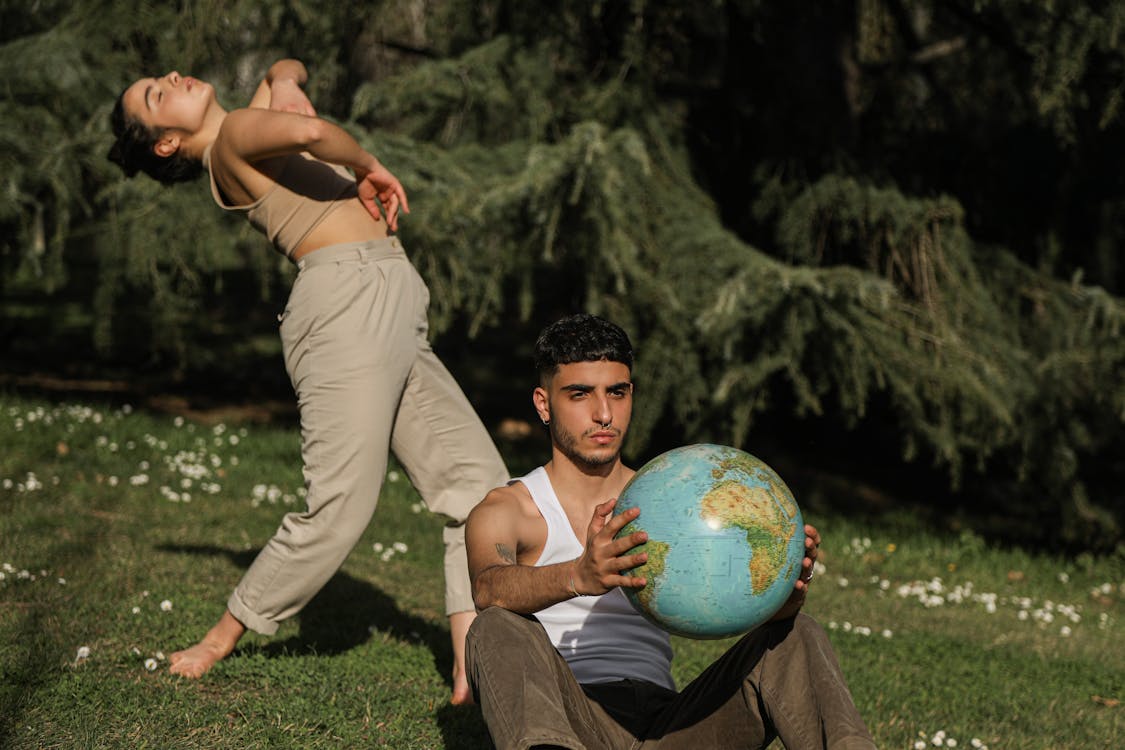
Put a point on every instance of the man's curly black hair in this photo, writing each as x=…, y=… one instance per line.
x=580, y=338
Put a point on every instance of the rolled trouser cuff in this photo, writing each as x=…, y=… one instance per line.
x=252, y=620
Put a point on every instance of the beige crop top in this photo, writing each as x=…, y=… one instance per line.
x=307, y=192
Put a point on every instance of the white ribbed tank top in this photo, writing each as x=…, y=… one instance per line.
x=601, y=637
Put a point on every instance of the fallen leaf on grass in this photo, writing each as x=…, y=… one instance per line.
x=1111, y=702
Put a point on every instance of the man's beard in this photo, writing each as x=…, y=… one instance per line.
x=568, y=444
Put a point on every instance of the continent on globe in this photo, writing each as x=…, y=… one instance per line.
x=726, y=540
x=732, y=504
x=654, y=568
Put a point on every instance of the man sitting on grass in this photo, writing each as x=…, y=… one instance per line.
x=558, y=657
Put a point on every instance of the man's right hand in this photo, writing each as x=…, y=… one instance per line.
x=599, y=568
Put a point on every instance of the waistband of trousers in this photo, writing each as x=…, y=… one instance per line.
x=352, y=251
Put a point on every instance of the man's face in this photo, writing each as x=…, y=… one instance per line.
x=588, y=405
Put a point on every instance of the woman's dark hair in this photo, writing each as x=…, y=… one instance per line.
x=132, y=151
x=580, y=338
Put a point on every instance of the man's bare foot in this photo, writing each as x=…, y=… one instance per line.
x=220, y=640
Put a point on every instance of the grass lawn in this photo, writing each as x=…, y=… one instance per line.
x=122, y=533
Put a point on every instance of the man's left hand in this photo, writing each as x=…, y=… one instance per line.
x=796, y=599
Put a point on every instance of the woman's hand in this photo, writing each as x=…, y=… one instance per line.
x=286, y=95
x=378, y=187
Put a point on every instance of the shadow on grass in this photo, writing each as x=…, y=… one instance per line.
x=340, y=617
x=23, y=676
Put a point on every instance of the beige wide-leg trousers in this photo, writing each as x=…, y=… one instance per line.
x=354, y=334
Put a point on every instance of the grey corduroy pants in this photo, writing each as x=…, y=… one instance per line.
x=779, y=681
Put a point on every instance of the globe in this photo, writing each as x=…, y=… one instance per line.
x=725, y=541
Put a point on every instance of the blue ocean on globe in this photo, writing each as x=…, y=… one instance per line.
x=725, y=540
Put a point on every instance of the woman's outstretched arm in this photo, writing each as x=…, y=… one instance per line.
x=251, y=135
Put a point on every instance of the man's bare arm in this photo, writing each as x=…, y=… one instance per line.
x=492, y=536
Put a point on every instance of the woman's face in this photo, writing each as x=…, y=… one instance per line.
x=169, y=102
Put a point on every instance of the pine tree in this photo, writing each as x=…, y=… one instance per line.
x=901, y=215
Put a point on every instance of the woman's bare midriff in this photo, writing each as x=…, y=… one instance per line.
x=350, y=223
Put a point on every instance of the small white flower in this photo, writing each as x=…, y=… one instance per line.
x=150, y=664
x=887, y=634
x=1064, y=631
x=1064, y=577
x=392, y=476
x=62, y=581
x=136, y=610
x=135, y=651
x=166, y=605
x=83, y=653
x=378, y=546
x=400, y=547
x=920, y=745
x=160, y=655
x=843, y=582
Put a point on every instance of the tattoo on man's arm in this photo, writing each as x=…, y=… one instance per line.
x=506, y=553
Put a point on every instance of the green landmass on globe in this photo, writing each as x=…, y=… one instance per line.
x=726, y=540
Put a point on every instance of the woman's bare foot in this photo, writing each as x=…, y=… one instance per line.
x=459, y=623
x=462, y=694
x=220, y=640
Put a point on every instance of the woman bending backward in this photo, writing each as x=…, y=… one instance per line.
x=354, y=334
